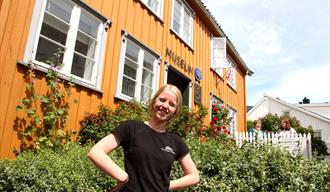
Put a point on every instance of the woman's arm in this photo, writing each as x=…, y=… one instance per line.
x=98, y=155
x=191, y=176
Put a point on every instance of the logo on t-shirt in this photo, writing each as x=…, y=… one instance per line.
x=168, y=149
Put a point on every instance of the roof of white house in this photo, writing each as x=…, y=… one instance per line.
x=318, y=116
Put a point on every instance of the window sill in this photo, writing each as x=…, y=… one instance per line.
x=231, y=87
x=64, y=77
x=221, y=77
x=182, y=40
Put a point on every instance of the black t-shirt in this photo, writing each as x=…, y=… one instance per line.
x=149, y=156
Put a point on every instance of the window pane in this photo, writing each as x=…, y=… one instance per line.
x=132, y=51
x=147, y=77
x=85, y=45
x=218, y=62
x=60, y=8
x=89, y=24
x=177, y=17
x=145, y=93
x=218, y=53
x=82, y=67
x=46, y=50
x=130, y=68
x=148, y=61
x=54, y=29
x=128, y=87
x=186, y=26
x=153, y=4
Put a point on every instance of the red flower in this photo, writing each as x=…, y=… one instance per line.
x=215, y=109
x=215, y=118
x=211, y=122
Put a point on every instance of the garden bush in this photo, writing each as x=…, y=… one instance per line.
x=222, y=166
x=48, y=170
x=225, y=167
x=96, y=126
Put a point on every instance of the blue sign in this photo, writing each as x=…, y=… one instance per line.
x=198, y=74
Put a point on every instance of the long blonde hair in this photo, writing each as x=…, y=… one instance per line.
x=178, y=95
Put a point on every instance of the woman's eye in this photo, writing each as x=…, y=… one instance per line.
x=162, y=99
x=172, y=104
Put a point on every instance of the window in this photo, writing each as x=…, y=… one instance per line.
x=233, y=123
x=137, y=71
x=76, y=30
x=218, y=54
x=182, y=21
x=231, y=73
x=156, y=6
x=215, y=101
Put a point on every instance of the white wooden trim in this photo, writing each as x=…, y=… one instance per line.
x=71, y=40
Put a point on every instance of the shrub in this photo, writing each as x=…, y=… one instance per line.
x=189, y=121
x=249, y=124
x=222, y=167
x=225, y=167
x=96, y=126
x=47, y=170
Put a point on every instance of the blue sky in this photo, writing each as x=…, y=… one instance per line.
x=284, y=42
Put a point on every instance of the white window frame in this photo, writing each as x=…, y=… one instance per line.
x=218, y=54
x=159, y=12
x=119, y=94
x=184, y=6
x=233, y=123
x=65, y=71
x=230, y=74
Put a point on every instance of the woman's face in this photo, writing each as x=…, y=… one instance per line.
x=258, y=126
x=283, y=124
x=165, y=105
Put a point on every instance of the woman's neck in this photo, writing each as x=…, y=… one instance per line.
x=156, y=125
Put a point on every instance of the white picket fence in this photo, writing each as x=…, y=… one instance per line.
x=295, y=143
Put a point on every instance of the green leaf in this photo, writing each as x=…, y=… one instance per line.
x=60, y=111
x=30, y=111
x=18, y=108
x=44, y=99
x=28, y=131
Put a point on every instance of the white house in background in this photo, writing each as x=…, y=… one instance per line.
x=319, y=108
x=315, y=115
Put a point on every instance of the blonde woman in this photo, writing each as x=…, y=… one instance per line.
x=149, y=149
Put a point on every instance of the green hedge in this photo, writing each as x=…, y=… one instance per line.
x=222, y=166
x=225, y=167
x=47, y=170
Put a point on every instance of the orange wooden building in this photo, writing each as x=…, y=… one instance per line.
x=118, y=50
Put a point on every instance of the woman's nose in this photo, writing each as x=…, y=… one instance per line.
x=166, y=105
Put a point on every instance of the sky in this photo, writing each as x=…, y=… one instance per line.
x=284, y=42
